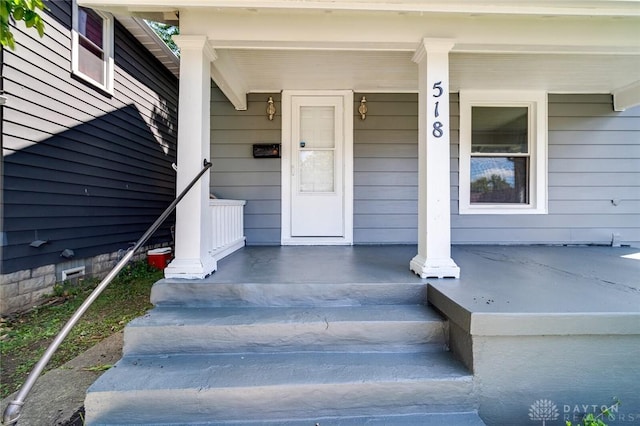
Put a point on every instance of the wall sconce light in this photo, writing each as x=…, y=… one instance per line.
x=362, y=109
x=271, y=108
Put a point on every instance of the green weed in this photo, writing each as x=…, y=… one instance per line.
x=98, y=368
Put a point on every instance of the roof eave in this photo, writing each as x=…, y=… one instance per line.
x=514, y=7
x=149, y=39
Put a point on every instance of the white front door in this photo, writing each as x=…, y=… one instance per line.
x=317, y=166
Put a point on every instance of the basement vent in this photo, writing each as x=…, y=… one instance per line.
x=69, y=274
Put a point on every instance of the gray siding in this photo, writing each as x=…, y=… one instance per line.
x=83, y=170
x=385, y=166
x=236, y=174
x=386, y=170
x=594, y=158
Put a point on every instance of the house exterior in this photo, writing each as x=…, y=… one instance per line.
x=88, y=137
x=422, y=123
x=425, y=122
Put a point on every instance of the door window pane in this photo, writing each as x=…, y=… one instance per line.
x=316, y=171
x=317, y=127
x=499, y=180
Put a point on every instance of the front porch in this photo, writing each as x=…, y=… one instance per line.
x=336, y=335
x=560, y=323
x=490, y=269
x=414, y=149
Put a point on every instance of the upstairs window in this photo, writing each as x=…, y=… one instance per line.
x=503, y=153
x=92, y=39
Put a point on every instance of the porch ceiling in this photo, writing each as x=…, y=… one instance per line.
x=266, y=50
x=394, y=71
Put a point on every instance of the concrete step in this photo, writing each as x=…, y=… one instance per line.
x=470, y=418
x=386, y=328
x=201, y=389
x=199, y=293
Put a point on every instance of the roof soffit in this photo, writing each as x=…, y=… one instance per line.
x=149, y=39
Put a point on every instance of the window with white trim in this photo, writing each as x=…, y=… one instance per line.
x=92, y=54
x=503, y=152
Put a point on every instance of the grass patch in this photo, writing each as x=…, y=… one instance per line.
x=25, y=337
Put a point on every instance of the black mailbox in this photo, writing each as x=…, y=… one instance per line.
x=262, y=150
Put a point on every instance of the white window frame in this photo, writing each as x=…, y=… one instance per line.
x=536, y=102
x=107, y=34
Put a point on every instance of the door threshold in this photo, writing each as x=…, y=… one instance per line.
x=315, y=241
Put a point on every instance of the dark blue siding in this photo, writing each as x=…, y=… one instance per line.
x=82, y=169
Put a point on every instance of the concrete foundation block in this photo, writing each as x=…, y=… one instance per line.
x=8, y=290
x=31, y=285
x=15, y=276
x=43, y=271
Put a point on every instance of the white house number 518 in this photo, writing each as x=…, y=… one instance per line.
x=437, y=125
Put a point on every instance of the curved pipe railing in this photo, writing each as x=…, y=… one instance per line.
x=13, y=410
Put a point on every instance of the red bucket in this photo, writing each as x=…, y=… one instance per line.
x=159, y=258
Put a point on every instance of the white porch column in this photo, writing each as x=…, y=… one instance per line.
x=193, y=257
x=434, y=221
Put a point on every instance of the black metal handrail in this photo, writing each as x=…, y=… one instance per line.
x=13, y=410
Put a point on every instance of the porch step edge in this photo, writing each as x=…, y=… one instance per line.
x=200, y=293
x=463, y=418
x=272, y=386
x=174, y=330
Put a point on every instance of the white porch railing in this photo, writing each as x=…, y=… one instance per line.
x=227, y=225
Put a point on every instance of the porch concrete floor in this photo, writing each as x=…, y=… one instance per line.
x=494, y=279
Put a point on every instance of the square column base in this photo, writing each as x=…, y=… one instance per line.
x=434, y=268
x=191, y=269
